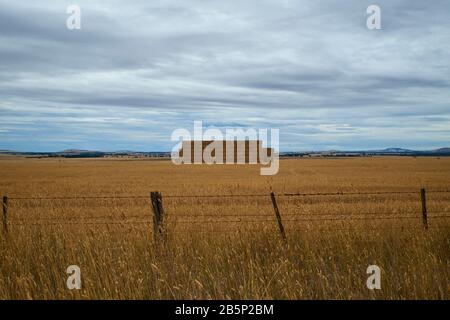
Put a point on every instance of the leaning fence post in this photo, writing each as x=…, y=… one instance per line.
x=277, y=214
x=424, y=208
x=158, y=214
x=5, y=215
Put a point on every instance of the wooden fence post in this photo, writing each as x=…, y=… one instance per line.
x=424, y=208
x=158, y=215
x=5, y=215
x=277, y=214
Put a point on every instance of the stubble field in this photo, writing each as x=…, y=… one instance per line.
x=222, y=239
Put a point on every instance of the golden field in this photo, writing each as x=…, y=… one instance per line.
x=100, y=219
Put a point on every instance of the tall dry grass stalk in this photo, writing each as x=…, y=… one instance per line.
x=225, y=248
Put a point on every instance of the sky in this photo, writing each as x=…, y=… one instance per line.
x=138, y=70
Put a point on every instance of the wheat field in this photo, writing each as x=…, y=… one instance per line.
x=99, y=217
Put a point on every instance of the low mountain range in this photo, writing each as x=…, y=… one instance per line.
x=76, y=153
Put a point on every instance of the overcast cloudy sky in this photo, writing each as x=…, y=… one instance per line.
x=137, y=70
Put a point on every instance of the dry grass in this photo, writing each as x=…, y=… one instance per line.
x=225, y=248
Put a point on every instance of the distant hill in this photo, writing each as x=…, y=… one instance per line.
x=442, y=150
x=382, y=152
x=397, y=150
x=77, y=153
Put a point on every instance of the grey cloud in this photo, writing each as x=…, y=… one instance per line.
x=307, y=67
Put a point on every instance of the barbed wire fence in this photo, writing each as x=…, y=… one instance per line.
x=158, y=217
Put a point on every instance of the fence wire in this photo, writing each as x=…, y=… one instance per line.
x=223, y=218
x=343, y=193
